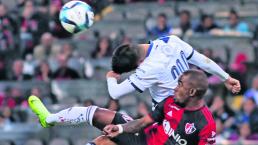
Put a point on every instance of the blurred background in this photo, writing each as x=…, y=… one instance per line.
x=37, y=56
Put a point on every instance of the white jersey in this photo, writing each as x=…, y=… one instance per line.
x=166, y=60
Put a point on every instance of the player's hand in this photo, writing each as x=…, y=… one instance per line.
x=111, y=131
x=112, y=74
x=233, y=85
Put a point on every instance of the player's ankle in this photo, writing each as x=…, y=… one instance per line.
x=50, y=119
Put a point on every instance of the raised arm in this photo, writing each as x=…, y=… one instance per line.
x=194, y=57
x=142, y=79
x=210, y=66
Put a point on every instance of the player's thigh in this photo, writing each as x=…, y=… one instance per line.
x=127, y=138
x=103, y=117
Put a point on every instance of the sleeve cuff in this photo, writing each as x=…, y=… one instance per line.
x=225, y=77
x=136, y=88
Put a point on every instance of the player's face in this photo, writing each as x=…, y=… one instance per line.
x=182, y=91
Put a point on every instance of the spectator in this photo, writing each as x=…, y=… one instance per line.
x=17, y=71
x=32, y=26
x=103, y=48
x=14, y=98
x=142, y=109
x=64, y=72
x=247, y=108
x=126, y=40
x=7, y=114
x=46, y=48
x=37, y=92
x=20, y=100
x=113, y=105
x=29, y=65
x=222, y=111
x=185, y=22
x=6, y=100
x=7, y=30
x=74, y=59
x=5, y=119
x=88, y=102
x=43, y=72
x=162, y=28
x=206, y=24
x=245, y=132
x=254, y=120
x=3, y=75
x=2, y=99
x=235, y=24
x=253, y=92
x=220, y=136
x=67, y=50
x=2, y=120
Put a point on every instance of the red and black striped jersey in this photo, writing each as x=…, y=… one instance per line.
x=178, y=126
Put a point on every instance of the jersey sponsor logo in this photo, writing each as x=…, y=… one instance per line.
x=171, y=132
x=189, y=128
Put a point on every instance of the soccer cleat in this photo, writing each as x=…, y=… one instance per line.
x=40, y=110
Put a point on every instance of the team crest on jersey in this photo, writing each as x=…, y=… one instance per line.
x=167, y=50
x=189, y=128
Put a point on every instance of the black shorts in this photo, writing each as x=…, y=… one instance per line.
x=128, y=138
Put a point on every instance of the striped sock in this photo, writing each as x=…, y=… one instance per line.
x=73, y=115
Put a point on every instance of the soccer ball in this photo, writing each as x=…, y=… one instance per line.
x=76, y=16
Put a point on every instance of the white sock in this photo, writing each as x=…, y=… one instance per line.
x=73, y=115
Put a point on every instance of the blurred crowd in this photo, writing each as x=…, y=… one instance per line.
x=34, y=46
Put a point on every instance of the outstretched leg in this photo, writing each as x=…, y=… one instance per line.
x=93, y=115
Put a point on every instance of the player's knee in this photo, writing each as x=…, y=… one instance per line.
x=103, y=113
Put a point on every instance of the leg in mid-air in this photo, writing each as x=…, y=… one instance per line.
x=93, y=115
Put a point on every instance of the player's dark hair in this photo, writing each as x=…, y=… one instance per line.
x=205, y=16
x=162, y=15
x=234, y=12
x=198, y=80
x=125, y=58
x=186, y=12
